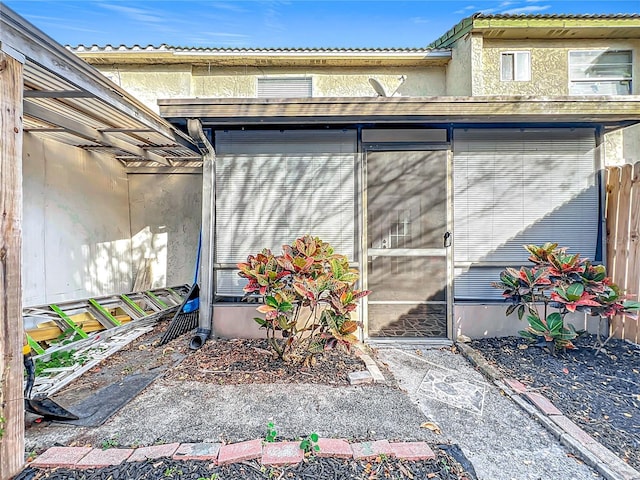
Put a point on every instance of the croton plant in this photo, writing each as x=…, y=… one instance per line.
x=308, y=295
x=559, y=283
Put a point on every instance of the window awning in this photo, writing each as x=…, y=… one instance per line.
x=69, y=101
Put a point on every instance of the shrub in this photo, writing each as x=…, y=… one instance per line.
x=557, y=284
x=308, y=293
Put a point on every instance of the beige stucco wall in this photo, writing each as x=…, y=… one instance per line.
x=151, y=82
x=458, y=81
x=549, y=64
x=76, y=229
x=631, y=144
x=166, y=213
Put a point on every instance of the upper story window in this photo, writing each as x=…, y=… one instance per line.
x=515, y=66
x=284, y=87
x=600, y=72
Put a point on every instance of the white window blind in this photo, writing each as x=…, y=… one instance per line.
x=284, y=87
x=600, y=72
x=516, y=187
x=515, y=66
x=269, y=199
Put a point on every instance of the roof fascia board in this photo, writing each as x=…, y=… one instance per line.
x=605, y=110
x=422, y=58
x=479, y=22
x=553, y=22
x=36, y=46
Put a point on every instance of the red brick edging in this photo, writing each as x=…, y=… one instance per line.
x=277, y=453
x=567, y=432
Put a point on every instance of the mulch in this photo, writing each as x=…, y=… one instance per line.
x=250, y=361
x=600, y=393
x=444, y=467
x=239, y=361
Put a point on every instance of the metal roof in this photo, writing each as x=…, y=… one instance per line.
x=69, y=101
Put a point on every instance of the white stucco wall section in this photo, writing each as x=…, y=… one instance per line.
x=166, y=212
x=459, y=70
x=76, y=234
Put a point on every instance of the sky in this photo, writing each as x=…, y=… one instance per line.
x=277, y=24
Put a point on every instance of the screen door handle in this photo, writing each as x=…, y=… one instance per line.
x=446, y=240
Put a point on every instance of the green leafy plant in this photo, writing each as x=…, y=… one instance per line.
x=2, y=422
x=110, y=443
x=170, y=471
x=558, y=284
x=308, y=295
x=309, y=444
x=272, y=433
x=214, y=476
x=62, y=358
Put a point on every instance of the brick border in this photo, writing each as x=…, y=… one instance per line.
x=277, y=453
x=574, y=438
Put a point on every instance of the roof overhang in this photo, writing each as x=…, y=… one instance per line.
x=608, y=112
x=285, y=57
x=543, y=27
x=69, y=101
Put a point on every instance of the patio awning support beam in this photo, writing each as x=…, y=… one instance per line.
x=89, y=133
x=11, y=328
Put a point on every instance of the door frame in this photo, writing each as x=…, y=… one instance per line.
x=399, y=147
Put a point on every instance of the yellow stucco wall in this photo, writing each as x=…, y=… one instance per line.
x=459, y=70
x=549, y=64
x=151, y=82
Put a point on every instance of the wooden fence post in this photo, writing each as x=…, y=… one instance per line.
x=11, y=329
x=632, y=328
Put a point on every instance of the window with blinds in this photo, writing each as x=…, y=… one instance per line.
x=301, y=182
x=600, y=72
x=516, y=187
x=285, y=87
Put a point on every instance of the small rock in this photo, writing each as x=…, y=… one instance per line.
x=358, y=378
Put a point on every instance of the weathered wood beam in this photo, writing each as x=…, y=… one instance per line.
x=11, y=328
x=88, y=133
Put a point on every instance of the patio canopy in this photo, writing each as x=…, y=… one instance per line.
x=611, y=112
x=69, y=101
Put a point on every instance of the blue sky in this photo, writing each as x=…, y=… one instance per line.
x=293, y=23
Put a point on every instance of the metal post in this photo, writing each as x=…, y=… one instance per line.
x=205, y=323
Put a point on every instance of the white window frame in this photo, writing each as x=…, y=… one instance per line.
x=515, y=75
x=284, y=79
x=600, y=79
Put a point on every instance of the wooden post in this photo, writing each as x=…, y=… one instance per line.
x=632, y=326
x=11, y=329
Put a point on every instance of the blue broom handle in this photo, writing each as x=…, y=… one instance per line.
x=195, y=277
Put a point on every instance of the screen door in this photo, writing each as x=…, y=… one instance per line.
x=407, y=239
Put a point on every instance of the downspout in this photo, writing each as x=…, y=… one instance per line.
x=205, y=315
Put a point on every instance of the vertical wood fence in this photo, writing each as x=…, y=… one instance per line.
x=623, y=240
